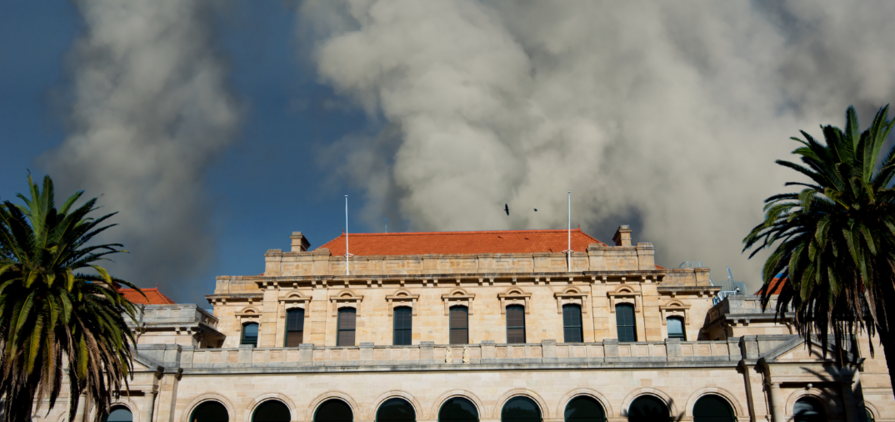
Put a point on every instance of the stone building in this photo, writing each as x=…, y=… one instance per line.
x=485, y=326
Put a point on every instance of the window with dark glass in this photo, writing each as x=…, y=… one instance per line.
x=515, y=324
x=584, y=409
x=295, y=327
x=624, y=320
x=458, y=409
x=647, y=409
x=249, y=334
x=395, y=410
x=676, y=328
x=571, y=324
x=346, y=326
x=520, y=409
x=808, y=409
x=272, y=411
x=210, y=411
x=712, y=408
x=403, y=326
x=333, y=411
x=120, y=414
x=459, y=325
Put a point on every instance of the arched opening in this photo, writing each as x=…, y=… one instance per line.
x=647, y=409
x=272, y=411
x=869, y=415
x=520, y=409
x=458, y=409
x=210, y=411
x=624, y=321
x=676, y=328
x=295, y=327
x=712, y=408
x=571, y=324
x=808, y=409
x=333, y=411
x=346, y=326
x=403, y=326
x=584, y=409
x=249, y=334
x=120, y=414
x=395, y=410
x=515, y=324
x=459, y=325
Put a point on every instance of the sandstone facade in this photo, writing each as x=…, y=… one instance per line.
x=732, y=349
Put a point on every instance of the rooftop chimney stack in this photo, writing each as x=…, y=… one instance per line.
x=622, y=236
x=300, y=243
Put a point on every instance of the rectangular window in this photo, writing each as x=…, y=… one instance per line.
x=403, y=326
x=249, y=334
x=676, y=328
x=571, y=324
x=346, y=325
x=624, y=320
x=515, y=324
x=459, y=325
x=295, y=327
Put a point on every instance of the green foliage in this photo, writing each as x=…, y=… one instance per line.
x=54, y=318
x=835, y=239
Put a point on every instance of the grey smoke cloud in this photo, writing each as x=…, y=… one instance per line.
x=150, y=108
x=672, y=112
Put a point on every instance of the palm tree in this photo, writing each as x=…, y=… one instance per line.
x=55, y=319
x=835, y=252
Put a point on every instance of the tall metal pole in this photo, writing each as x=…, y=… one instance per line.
x=347, y=268
x=570, y=231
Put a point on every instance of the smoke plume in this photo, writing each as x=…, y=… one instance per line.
x=150, y=109
x=667, y=113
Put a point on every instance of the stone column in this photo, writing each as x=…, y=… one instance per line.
x=148, y=405
x=775, y=399
x=848, y=400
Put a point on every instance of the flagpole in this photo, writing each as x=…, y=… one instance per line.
x=347, y=268
x=570, y=231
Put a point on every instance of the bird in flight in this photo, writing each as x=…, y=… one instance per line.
x=506, y=207
x=536, y=210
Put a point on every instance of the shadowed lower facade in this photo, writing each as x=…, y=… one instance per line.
x=484, y=326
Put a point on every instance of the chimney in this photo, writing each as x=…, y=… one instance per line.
x=622, y=236
x=300, y=243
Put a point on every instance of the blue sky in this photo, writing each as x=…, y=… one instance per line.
x=267, y=185
x=663, y=116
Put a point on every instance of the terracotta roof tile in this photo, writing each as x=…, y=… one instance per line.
x=468, y=242
x=776, y=286
x=153, y=296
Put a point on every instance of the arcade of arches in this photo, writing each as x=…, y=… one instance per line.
x=645, y=408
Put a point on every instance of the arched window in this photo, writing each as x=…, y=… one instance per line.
x=120, y=414
x=295, y=327
x=676, y=328
x=403, y=326
x=272, y=411
x=210, y=411
x=571, y=324
x=333, y=411
x=624, y=320
x=808, y=409
x=459, y=325
x=346, y=325
x=584, y=409
x=647, y=409
x=712, y=408
x=458, y=409
x=249, y=334
x=515, y=324
x=395, y=410
x=520, y=409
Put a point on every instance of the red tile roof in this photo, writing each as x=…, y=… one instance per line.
x=775, y=286
x=153, y=297
x=449, y=243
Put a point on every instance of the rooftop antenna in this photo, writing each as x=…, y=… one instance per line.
x=569, y=251
x=347, y=268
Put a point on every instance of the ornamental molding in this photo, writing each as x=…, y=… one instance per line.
x=514, y=296
x=458, y=297
x=402, y=297
x=570, y=296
